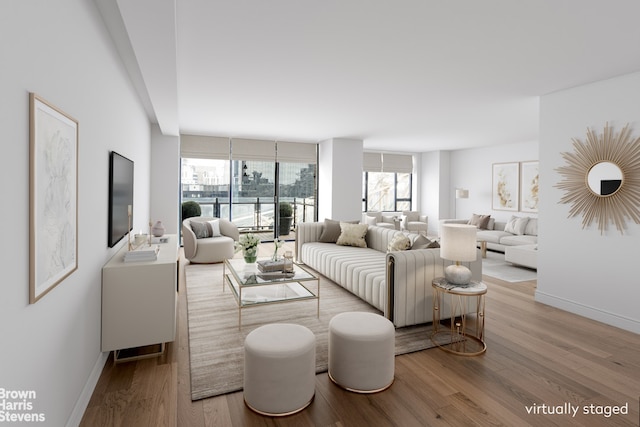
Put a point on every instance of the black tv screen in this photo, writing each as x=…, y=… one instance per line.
x=120, y=197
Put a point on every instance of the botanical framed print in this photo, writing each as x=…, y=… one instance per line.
x=53, y=196
x=529, y=186
x=506, y=186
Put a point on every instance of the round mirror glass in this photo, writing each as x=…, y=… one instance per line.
x=604, y=178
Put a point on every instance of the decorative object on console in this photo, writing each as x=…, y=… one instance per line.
x=158, y=229
x=458, y=243
x=506, y=186
x=600, y=179
x=53, y=197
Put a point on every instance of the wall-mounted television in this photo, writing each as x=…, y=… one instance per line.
x=120, y=197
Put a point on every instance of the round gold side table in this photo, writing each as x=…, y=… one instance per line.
x=463, y=339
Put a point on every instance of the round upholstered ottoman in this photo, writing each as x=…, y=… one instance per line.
x=361, y=351
x=279, y=368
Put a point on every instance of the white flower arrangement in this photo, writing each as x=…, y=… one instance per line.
x=247, y=241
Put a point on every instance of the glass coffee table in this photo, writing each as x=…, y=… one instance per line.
x=253, y=288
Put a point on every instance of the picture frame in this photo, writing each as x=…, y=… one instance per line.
x=53, y=196
x=506, y=187
x=529, y=186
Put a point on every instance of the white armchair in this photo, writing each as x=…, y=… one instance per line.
x=379, y=220
x=413, y=221
x=208, y=247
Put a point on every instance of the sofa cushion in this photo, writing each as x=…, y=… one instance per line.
x=399, y=243
x=516, y=225
x=518, y=240
x=491, y=236
x=532, y=227
x=352, y=235
x=480, y=221
x=362, y=271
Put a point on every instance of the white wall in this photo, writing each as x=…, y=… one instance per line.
x=580, y=270
x=340, y=179
x=434, y=178
x=165, y=179
x=473, y=169
x=61, y=51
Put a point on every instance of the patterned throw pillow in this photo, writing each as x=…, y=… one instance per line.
x=399, y=243
x=352, y=235
x=422, y=242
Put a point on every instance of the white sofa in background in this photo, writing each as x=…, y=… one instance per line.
x=525, y=255
x=498, y=236
x=398, y=283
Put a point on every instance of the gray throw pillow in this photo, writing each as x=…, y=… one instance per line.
x=200, y=229
x=480, y=221
x=330, y=232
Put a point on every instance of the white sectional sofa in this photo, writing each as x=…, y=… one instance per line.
x=526, y=232
x=398, y=283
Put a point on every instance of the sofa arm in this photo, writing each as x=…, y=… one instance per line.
x=189, y=240
x=409, y=278
x=306, y=232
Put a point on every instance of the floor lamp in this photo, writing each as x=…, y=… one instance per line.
x=461, y=193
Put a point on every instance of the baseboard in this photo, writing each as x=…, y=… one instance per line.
x=87, y=391
x=622, y=322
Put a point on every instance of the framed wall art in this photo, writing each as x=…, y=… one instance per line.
x=53, y=197
x=529, y=187
x=506, y=186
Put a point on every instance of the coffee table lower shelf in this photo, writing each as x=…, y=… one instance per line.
x=257, y=295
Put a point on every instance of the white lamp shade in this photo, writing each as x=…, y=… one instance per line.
x=461, y=193
x=458, y=242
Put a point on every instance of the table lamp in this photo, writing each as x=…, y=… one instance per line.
x=458, y=243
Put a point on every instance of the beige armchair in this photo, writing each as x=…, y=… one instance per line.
x=205, y=243
x=413, y=221
x=377, y=219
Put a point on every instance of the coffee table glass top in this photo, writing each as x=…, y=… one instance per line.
x=249, y=274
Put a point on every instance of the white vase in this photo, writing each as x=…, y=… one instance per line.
x=158, y=229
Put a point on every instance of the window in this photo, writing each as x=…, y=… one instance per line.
x=386, y=191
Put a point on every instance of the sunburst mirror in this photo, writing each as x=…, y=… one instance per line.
x=602, y=179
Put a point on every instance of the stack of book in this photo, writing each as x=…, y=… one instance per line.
x=269, y=266
x=145, y=253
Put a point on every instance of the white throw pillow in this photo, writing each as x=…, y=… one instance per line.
x=516, y=225
x=532, y=227
x=215, y=228
x=399, y=243
x=352, y=235
x=371, y=220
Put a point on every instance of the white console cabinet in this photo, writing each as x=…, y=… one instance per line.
x=139, y=299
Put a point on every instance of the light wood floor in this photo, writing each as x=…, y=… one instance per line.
x=536, y=355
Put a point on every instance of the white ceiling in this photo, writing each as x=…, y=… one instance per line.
x=415, y=75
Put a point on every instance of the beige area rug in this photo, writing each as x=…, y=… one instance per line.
x=216, y=343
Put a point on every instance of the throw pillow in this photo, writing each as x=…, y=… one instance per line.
x=422, y=242
x=371, y=220
x=399, y=243
x=532, y=227
x=214, y=227
x=516, y=225
x=480, y=221
x=330, y=231
x=352, y=235
x=200, y=229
